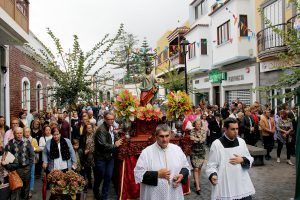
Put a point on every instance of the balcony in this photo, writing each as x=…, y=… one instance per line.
x=14, y=20
x=269, y=42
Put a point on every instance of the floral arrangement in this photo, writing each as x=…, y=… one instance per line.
x=149, y=113
x=65, y=183
x=126, y=105
x=178, y=105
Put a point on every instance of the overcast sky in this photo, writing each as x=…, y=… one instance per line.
x=91, y=19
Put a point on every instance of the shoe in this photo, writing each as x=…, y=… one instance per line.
x=267, y=158
x=290, y=163
x=198, y=192
x=30, y=195
x=278, y=160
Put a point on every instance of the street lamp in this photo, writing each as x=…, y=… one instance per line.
x=184, y=42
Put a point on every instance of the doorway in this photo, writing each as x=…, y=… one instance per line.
x=216, y=95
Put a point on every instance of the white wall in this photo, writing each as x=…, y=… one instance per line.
x=199, y=61
x=239, y=47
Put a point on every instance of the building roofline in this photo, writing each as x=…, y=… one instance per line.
x=218, y=8
x=197, y=25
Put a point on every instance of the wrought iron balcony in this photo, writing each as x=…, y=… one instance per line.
x=270, y=42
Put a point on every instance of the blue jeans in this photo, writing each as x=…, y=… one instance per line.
x=103, y=170
x=32, y=171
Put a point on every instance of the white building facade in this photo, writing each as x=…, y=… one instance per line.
x=228, y=70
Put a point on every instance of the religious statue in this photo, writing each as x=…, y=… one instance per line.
x=148, y=88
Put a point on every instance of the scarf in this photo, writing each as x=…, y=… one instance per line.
x=64, y=149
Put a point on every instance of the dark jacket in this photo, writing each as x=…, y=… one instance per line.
x=215, y=130
x=104, y=148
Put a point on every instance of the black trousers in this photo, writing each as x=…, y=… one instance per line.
x=288, y=149
x=268, y=143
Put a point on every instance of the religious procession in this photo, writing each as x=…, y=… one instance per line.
x=181, y=99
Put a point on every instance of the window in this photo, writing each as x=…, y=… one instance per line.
x=192, y=50
x=223, y=32
x=39, y=97
x=203, y=46
x=165, y=54
x=2, y=56
x=243, y=26
x=200, y=9
x=274, y=14
x=25, y=93
x=196, y=12
x=159, y=59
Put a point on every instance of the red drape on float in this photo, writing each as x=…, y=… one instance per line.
x=146, y=96
x=127, y=187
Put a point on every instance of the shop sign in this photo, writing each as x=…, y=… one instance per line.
x=235, y=78
x=217, y=76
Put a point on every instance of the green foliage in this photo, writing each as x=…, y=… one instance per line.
x=70, y=70
x=175, y=81
x=290, y=75
x=124, y=57
x=133, y=59
x=146, y=58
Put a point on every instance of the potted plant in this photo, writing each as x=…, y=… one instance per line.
x=65, y=185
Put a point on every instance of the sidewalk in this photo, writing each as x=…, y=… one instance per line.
x=273, y=181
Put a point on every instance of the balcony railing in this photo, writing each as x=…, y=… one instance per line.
x=18, y=10
x=268, y=39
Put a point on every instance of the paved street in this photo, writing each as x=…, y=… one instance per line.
x=273, y=181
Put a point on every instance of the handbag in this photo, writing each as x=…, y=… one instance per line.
x=15, y=182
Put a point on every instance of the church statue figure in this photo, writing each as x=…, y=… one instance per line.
x=148, y=88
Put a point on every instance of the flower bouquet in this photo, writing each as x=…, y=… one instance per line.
x=69, y=183
x=126, y=105
x=178, y=104
x=149, y=113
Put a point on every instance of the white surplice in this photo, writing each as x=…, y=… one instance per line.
x=154, y=158
x=233, y=181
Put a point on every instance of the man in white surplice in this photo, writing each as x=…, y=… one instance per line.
x=228, y=164
x=162, y=168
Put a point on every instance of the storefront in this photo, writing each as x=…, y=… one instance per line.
x=201, y=90
x=239, y=84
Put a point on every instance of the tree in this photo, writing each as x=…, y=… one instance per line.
x=145, y=57
x=125, y=57
x=69, y=70
x=291, y=71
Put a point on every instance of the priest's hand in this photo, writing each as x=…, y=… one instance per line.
x=236, y=160
x=164, y=173
x=119, y=142
x=176, y=180
x=214, y=179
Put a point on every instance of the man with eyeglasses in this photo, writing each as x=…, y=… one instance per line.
x=9, y=135
x=106, y=143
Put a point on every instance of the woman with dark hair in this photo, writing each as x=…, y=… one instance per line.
x=88, y=146
x=284, y=135
x=36, y=129
x=22, y=120
x=58, y=153
x=198, y=136
x=42, y=143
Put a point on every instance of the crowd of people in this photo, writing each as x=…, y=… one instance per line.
x=85, y=140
